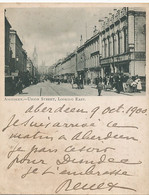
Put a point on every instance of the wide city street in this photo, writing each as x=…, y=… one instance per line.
x=47, y=88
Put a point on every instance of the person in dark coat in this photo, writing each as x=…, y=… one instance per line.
x=124, y=80
x=78, y=82
x=100, y=79
x=100, y=88
x=111, y=81
x=19, y=86
x=119, y=84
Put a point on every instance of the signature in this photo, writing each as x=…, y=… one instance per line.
x=68, y=186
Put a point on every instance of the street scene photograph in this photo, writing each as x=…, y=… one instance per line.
x=75, y=51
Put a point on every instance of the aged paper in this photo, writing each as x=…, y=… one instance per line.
x=73, y=141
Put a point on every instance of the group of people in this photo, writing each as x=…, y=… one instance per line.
x=120, y=82
x=79, y=82
x=19, y=85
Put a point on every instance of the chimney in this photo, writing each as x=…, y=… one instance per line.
x=81, y=40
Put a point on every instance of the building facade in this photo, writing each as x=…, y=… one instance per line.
x=92, y=62
x=81, y=61
x=118, y=47
x=65, y=69
x=19, y=55
x=30, y=67
x=122, y=43
x=58, y=70
x=7, y=48
x=68, y=67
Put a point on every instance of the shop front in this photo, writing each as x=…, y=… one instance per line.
x=116, y=64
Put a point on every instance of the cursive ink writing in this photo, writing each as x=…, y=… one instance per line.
x=26, y=158
x=63, y=108
x=103, y=159
x=91, y=171
x=31, y=123
x=112, y=124
x=68, y=186
x=89, y=136
x=86, y=149
x=37, y=135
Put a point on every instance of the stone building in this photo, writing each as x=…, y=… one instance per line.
x=122, y=42
x=24, y=60
x=19, y=55
x=81, y=61
x=30, y=67
x=92, y=57
x=58, y=70
x=73, y=64
x=7, y=48
x=65, y=69
x=118, y=47
x=51, y=71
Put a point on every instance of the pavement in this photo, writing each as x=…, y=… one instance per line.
x=64, y=89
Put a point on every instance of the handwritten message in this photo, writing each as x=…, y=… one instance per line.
x=70, y=150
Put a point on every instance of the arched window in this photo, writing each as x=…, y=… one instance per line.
x=125, y=40
x=113, y=40
x=105, y=48
x=118, y=44
x=109, y=46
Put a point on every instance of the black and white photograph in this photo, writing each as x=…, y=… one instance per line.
x=75, y=51
x=74, y=98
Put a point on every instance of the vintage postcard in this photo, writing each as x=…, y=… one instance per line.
x=74, y=98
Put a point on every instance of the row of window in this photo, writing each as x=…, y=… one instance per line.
x=116, y=44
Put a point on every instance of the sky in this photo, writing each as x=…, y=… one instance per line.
x=54, y=31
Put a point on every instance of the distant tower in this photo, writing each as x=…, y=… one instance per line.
x=35, y=58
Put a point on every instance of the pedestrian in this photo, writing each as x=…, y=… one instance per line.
x=108, y=85
x=19, y=86
x=96, y=80
x=129, y=84
x=88, y=81
x=100, y=79
x=111, y=82
x=139, y=85
x=81, y=86
x=119, y=86
x=100, y=88
x=134, y=84
x=78, y=82
x=58, y=82
x=124, y=80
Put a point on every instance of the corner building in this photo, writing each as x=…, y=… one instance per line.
x=122, y=42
